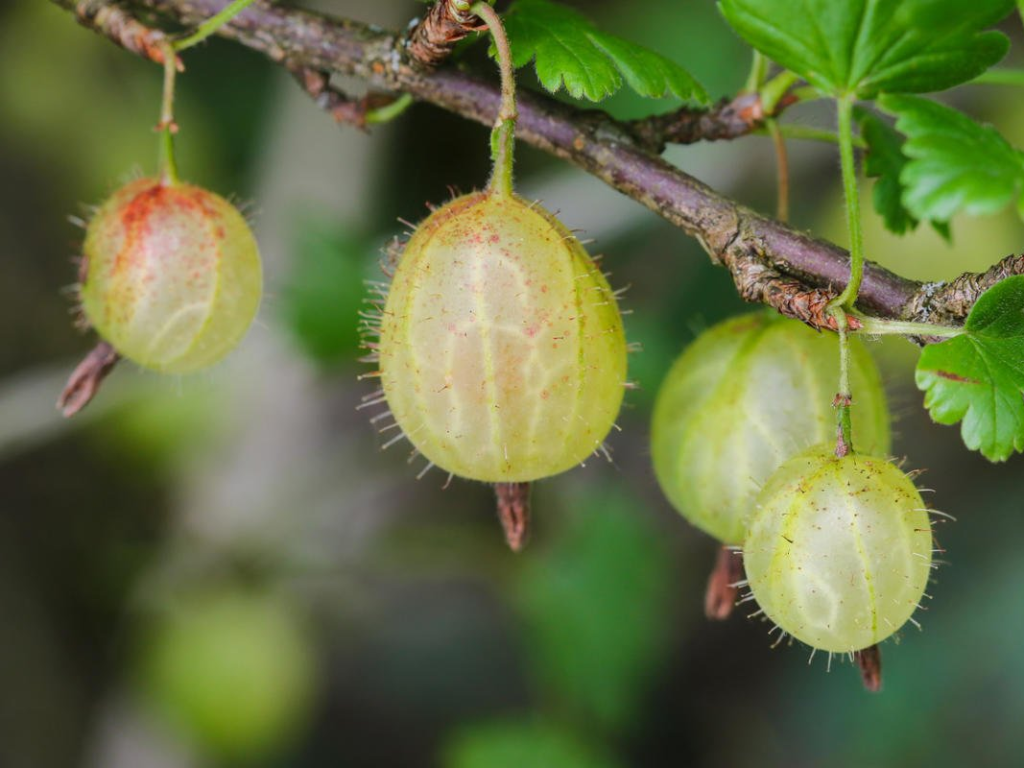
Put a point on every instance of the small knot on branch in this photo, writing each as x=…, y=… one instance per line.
x=759, y=283
x=433, y=39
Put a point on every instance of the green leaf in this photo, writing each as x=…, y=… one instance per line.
x=979, y=377
x=569, y=51
x=884, y=161
x=955, y=163
x=597, y=600
x=865, y=47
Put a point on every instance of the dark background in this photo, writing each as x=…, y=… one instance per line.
x=383, y=621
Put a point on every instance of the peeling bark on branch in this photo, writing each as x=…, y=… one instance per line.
x=733, y=235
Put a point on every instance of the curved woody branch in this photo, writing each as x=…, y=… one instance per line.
x=769, y=261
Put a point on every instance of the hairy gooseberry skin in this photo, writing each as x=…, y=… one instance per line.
x=839, y=550
x=748, y=394
x=174, y=278
x=502, y=352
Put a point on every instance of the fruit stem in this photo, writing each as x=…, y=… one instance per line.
x=843, y=399
x=846, y=300
x=167, y=127
x=504, y=133
x=212, y=24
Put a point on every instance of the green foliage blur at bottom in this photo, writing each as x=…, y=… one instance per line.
x=594, y=604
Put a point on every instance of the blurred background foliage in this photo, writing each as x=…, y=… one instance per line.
x=221, y=570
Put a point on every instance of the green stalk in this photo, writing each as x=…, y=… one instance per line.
x=758, y=72
x=876, y=326
x=773, y=91
x=211, y=25
x=846, y=300
x=808, y=133
x=852, y=198
x=844, y=437
x=167, y=165
x=504, y=133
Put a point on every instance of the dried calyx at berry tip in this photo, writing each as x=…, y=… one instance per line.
x=501, y=349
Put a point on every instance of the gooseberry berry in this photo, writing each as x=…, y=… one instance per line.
x=744, y=397
x=173, y=277
x=231, y=670
x=839, y=550
x=502, y=354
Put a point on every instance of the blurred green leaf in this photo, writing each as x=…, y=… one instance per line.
x=324, y=293
x=955, y=163
x=979, y=377
x=512, y=744
x=865, y=47
x=595, y=610
x=568, y=50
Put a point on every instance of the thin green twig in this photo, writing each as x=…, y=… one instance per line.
x=391, y=111
x=211, y=25
x=876, y=326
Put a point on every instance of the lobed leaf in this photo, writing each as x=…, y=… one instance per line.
x=866, y=47
x=955, y=163
x=978, y=378
x=885, y=161
x=569, y=51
